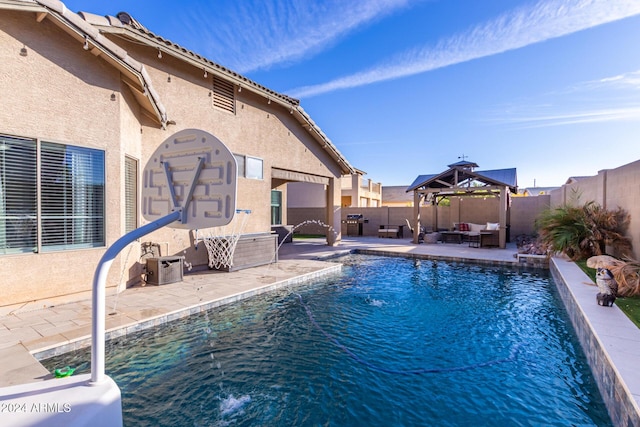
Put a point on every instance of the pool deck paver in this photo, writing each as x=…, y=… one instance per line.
x=44, y=328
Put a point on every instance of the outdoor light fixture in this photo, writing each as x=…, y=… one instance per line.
x=86, y=43
x=23, y=51
x=269, y=101
x=159, y=54
x=205, y=73
x=239, y=88
x=113, y=96
x=168, y=78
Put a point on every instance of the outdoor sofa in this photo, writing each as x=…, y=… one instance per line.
x=485, y=235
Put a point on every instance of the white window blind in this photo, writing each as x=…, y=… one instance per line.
x=18, y=197
x=72, y=197
x=130, y=194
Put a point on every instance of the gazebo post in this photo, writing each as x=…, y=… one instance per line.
x=434, y=217
x=416, y=216
x=502, y=235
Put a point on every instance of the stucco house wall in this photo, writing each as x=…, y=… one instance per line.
x=63, y=93
x=305, y=195
x=57, y=93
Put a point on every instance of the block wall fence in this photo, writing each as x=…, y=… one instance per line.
x=611, y=188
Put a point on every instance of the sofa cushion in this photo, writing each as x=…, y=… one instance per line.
x=493, y=226
x=463, y=226
x=476, y=227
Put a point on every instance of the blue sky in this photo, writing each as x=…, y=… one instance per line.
x=404, y=88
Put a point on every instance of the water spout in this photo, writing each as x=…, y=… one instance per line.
x=295, y=227
x=119, y=287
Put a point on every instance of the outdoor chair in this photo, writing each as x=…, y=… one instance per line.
x=425, y=233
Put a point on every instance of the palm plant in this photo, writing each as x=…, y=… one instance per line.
x=627, y=274
x=582, y=232
x=606, y=227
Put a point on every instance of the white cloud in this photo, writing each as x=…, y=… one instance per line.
x=623, y=81
x=257, y=34
x=631, y=113
x=522, y=27
x=610, y=98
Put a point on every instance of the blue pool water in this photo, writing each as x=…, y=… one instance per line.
x=389, y=342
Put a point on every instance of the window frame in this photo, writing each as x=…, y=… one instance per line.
x=70, y=196
x=248, y=167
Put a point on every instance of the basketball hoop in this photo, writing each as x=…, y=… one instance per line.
x=221, y=241
x=189, y=182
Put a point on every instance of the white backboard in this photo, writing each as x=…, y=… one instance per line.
x=195, y=172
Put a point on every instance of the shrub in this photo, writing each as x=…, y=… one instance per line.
x=583, y=232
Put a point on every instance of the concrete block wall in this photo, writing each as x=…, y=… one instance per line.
x=611, y=188
x=524, y=211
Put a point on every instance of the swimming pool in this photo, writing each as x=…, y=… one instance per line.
x=390, y=341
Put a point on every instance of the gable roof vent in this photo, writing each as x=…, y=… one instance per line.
x=223, y=95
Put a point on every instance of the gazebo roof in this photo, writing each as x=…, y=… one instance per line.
x=460, y=175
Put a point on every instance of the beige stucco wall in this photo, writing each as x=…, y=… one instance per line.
x=524, y=211
x=611, y=188
x=60, y=92
x=258, y=129
x=306, y=195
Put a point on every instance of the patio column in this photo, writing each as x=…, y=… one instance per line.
x=333, y=212
x=502, y=215
x=417, y=198
x=434, y=213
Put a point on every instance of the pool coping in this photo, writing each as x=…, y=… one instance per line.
x=153, y=321
x=609, y=339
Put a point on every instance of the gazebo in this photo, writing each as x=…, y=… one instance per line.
x=460, y=180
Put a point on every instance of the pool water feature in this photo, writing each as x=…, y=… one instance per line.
x=489, y=346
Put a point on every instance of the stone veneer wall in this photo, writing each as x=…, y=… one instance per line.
x=608, y=373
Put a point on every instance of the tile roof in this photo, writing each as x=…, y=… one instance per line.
x=89, y=28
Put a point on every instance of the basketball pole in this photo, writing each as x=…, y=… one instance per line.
x=98, y=296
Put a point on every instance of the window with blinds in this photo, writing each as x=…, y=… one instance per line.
x=18, y=197
x=224, y=95
x=72, y=197
x=65, y=201
x=130, y=194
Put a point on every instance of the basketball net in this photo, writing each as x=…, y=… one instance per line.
x=221, y=241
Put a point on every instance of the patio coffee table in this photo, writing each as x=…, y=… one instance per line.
x=451, y=236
